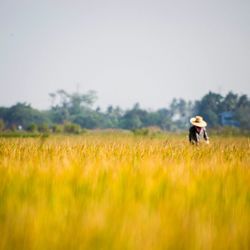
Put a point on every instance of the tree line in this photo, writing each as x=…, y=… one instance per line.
x=71, y=112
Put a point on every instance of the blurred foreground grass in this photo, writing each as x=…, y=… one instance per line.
x=123, y=192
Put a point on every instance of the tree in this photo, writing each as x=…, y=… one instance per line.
x=242, y=102
x=23, y=115
x=229, y=103
x=164, y=119
x=209, y=108
x=181, y=111
x=112, y=116
x=242, y=112
x=133, y=119
x=66, y=105
x=32, y=127
x=71, y=128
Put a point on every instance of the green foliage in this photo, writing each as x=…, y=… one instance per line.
x=209, y=108
x=66, y=105
x=43, y=128
x=134, y=118
x=57, y=128
x=71, y=128
x=229, y=103
x=23, y=115
x=212, y=104
x=77, y=109
x=148, y=131
x=89, y=120
x=243, y=112
x=32, y=128
x=2, y=125
x=141, y=131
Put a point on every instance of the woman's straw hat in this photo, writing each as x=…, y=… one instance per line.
x=198, y=121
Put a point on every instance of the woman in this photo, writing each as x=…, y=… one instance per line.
x=198, y=130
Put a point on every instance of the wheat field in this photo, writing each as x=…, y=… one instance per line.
x=119, y=191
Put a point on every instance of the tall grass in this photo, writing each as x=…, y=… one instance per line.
x=122, y=192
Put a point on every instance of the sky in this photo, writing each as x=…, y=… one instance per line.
x=146, y=51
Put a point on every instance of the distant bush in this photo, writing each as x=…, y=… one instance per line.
x=32, y=128
x=229, y=131
x=140, y=131
x=72, y=128
x=2, y=125
x=152, y=131
x=57, y=128
x=43, y=128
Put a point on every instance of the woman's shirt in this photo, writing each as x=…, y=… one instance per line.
x=196, y=134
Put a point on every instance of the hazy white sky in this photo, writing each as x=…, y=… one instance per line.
x=146, y=51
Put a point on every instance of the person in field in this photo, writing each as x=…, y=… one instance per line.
x=197, y=131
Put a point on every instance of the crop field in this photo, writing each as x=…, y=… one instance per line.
x=120, y=191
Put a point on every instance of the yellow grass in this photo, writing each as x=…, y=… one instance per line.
x=123, y=192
